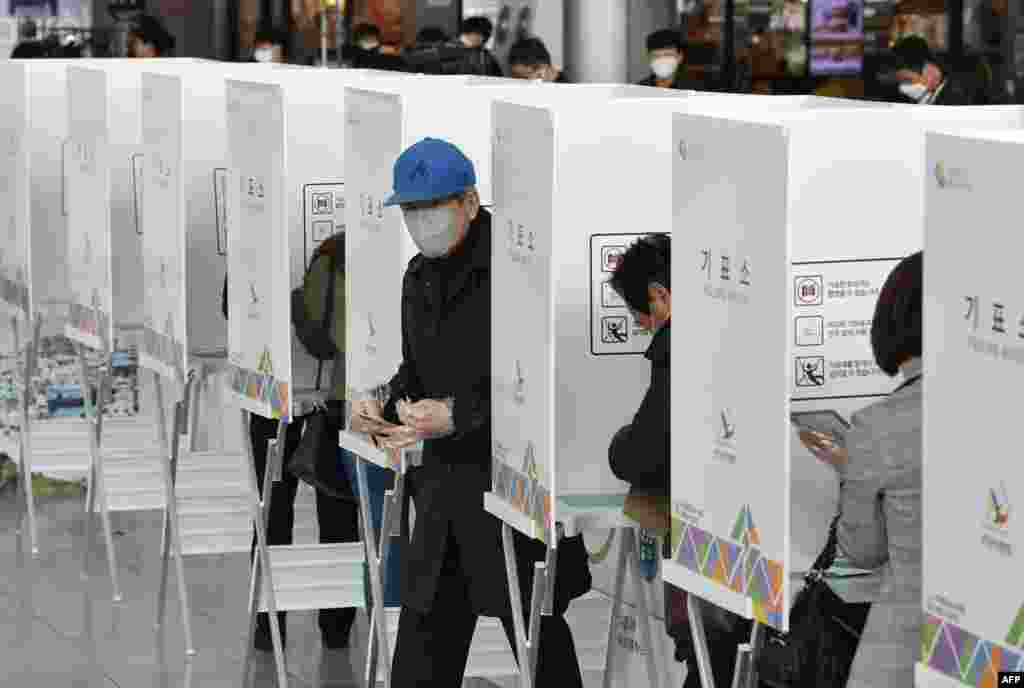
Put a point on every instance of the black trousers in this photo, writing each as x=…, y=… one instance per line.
x=337, y=518
x=432, y=649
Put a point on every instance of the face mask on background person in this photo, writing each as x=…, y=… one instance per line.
x=433, y=230
x=664, y=67
x=916, y=92
x=263, y=54
x=369, y=46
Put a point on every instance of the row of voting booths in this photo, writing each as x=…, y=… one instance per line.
x=132, y=188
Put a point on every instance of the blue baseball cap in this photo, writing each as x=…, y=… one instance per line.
x=430, y=170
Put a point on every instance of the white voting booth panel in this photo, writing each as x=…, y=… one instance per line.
x=973, y=610
x=295, y=181
x=555, y=163
x=779, y=254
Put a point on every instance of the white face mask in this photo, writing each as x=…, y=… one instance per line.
x=369, y=45
x=665, y=67
x=916, y=92
x=433, y=230
x=263, y=54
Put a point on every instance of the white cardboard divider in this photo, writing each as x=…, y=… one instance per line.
x=15, y=181
x=296, y=181
x=783, y=251
x=973, y=609
x=104, y=254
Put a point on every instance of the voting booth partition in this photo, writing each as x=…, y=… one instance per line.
x=751, y=507
x=183, y=202
x=292, y=180
x=972, y=620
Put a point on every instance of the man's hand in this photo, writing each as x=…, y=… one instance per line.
x=367, y=418
x=431, y=418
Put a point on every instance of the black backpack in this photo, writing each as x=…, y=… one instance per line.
x=315, y=335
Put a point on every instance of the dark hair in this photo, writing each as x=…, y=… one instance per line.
x=365, y=30
x=480, y=25
x=151, y=31
x=664, y=38
x=431, y=34
x=274, y=37
x=645, y=262
x=912, y=52
x=529, y=52
x=896, y=329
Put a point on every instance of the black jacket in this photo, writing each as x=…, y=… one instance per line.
x=639, y=452
x=446, y=352
x=679, y=81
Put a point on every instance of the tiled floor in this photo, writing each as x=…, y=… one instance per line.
x=59, y=626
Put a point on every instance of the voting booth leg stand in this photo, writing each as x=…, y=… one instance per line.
x=25, y=435
x=629, y=557
x=97, y=493
x=262, y=574
x=700, y=641
x=378, y=646
x=746, y=659
x=171, y=535
x=526, y=645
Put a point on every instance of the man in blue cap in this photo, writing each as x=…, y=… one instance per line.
x=454, y=568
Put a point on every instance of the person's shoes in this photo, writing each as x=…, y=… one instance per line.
x=263, y=640
x=336, y=627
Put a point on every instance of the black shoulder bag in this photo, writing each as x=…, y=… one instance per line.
x=824, y=632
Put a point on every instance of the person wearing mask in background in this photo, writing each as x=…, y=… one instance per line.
x=474, y=34
x=921, y=79
x=878, y=463
x=454, y=568
x=149, y=38
x=337, y=519
x=665, y=55
x=364, y=51
x=270, y=45
x=530, y=59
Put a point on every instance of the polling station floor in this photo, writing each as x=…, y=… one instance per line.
x=59, y=626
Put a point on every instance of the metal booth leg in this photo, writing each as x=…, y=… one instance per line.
x=526, y=644
x=25, y=435
x=98, y=494
x=643, y=612
x=379, y=646
x=262, y=573
x=700, y=641
x=616, y=608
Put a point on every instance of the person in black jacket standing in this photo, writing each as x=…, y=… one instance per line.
x=640, y=453
x=454, y=564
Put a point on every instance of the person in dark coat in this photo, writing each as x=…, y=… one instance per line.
x=454, y=563
x=666, y=55
x=640, y=452
x=474, y=34
x=921, y=79
x=529, y=58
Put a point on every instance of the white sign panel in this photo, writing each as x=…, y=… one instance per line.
x=89, y=194
x=613, y=330
x=323, y=212
x=730, y=512
x=973, y=625
x=834, y=304
x=15, y=189
x=164, y=341
x=377, y=246
x=258, y=254
x=522, y=389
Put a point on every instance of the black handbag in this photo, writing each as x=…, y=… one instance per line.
x=315, y=461
x=824, y=632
